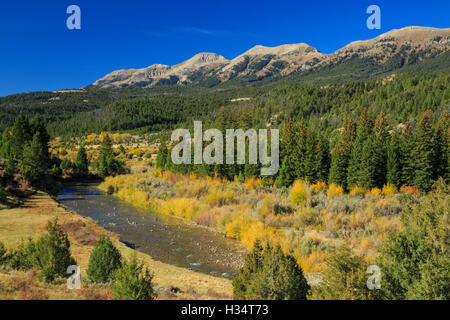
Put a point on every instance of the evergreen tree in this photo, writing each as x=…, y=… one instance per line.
x=440, y=146
x=38, y=126
x=107, y=164
x=5, y=144
x=10, y=168
x=269, y=274
x=34, y=163
x=341, y=155
x=162, y=156
x=105, y=259
x=423, y=153
x=380, y=150
x=322, y=160
x=51, y=253
x=21, y=135
x=367, y=172
x=364, y=130
x=133, y=282
x=310, y=158
x=394, y=160
x=81, y=162
x=408, y=167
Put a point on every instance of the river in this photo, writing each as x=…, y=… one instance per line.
x=164, y=238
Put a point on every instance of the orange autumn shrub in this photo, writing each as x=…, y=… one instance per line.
x=319, y=186
x=252, y=183
x=334, y=191
x=375, y=191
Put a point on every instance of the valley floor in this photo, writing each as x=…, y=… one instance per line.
x=30, y=220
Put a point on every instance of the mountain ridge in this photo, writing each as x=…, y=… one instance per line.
x=394, y=49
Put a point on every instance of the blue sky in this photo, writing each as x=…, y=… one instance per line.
x=38, y=52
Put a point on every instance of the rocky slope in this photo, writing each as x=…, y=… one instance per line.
x=389, y=51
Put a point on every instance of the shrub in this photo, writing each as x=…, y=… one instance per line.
x=3, y=195
x=357, y=191
x=133, y=282
x=22, y=258
x=110, y=190
x=52, y=253
x=415, y=261
x=104, y=261
x=3, y=254
x=269, y=274
x=375, y=191
x=300, y=193
x=220, y=197
x=346, y=278
x=319, y=186
x=389, y=189
x=334, y=190
x=309, y=216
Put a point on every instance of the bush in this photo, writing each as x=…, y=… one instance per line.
x=309, y=216
x=346, y=278
x=334, y=190
x=357, y=191
x=22, y=258
x=415, y=261
x=104, y=261
x=269, y=274
x=375, y=191
x=300, y=193
x=52, y=253
x=3, y=195
x=3, y=254
x=110, y=190
x=389, y=189
x=133, y=282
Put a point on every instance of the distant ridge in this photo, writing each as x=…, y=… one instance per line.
x=389, y=51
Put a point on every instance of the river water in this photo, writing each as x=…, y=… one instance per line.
x=164, y=238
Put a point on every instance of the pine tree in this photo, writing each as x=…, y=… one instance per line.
x=162, y=156
x=408, y=160
x=440, y=146
x=81, y=162
x=21, y=135
x=323, y=160
x=364, y=130
x=10, y=168
x=341, y=155
x=423, y=153
x=5, y=144
x=34, y=163
x=394, y=159
x=107, y=163
x=38, y=126
x=105, y=259
x=367, y=171
x=310, y=158
x=380, y=150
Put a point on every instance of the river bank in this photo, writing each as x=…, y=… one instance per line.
x=30, y=219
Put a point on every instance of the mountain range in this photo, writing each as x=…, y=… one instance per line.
x=390, y=51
